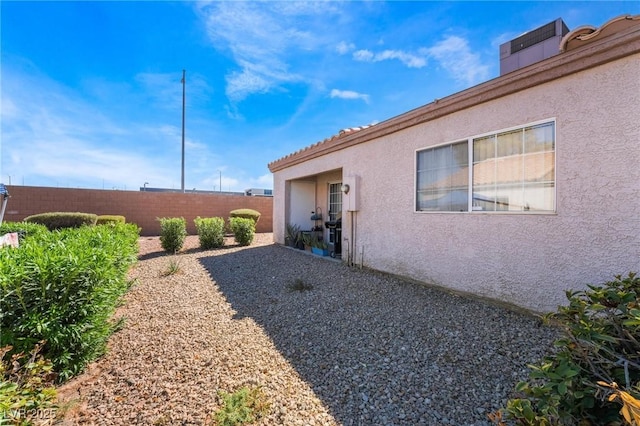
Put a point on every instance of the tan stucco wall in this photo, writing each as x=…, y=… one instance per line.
x=524, y=259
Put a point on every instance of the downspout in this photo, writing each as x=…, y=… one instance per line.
x=352, y=242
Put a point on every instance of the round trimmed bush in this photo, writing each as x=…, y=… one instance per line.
x=246, y=214
x=61, y=220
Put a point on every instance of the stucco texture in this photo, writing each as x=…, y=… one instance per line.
x=525, y=259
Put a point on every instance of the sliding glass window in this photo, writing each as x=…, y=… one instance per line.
x=443, y=178
x=512, y=171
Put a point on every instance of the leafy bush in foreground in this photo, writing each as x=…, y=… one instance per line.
x=601, y=346
x=26, y=387
x=62, y=287
x=25, y=229
x=61, y=220
x=173, y=231
x=210, y=231
x=243, y=230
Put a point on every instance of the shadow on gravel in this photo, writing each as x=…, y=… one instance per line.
x=376, y=349
x=152, y=255
x=161, y=252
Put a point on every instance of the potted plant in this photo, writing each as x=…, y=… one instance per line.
x=318, y=246
x=307, y=240
x=292, y=234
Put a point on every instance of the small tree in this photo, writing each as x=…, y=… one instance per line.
x=172, y=234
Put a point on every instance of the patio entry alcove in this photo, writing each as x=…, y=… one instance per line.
x=312, y=200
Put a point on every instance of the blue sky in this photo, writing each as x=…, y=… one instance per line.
x=91, y=93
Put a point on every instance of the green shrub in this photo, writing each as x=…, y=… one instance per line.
x=109, y=218
x=600, y=344
x=26, y=387
x=62, y=287
x=210, y=232
x=172, y=234
x=60, y=220
x=246, y=405
x=172, y=268
x=246, y=214
x=243, y=230
x=24, y=229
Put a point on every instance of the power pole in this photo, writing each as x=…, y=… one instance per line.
x=183, y=110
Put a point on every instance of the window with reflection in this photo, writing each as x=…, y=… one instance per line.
x=511, y=171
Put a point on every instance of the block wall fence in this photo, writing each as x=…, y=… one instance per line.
x=141, y=208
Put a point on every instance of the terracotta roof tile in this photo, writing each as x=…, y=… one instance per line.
x=341, y=134
x=587, y=33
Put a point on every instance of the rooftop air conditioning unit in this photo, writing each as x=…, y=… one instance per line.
x=533, y=46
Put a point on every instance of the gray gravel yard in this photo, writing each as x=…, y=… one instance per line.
x=354, y=347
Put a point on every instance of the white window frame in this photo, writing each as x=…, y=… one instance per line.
x=469, y=140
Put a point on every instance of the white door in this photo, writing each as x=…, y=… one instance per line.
x=302, y=202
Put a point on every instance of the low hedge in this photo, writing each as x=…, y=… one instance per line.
x=60, y=220
x=62, y=287
x=110, y=218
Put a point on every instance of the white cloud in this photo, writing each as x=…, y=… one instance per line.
x=349, y=94
x=260, y=37
x=453, y=54
x=363, y=55
x=9, y=109
x=240, y=84
x=456, y=57
x=409, y=59
x=265, y=181
x=343, y=47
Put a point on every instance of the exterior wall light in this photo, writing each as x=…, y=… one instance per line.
x=345, y=188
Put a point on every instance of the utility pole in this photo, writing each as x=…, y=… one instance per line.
x=183, y=106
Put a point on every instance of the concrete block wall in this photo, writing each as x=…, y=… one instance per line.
x=141, y=208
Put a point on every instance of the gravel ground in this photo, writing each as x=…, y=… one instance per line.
x=354, y=347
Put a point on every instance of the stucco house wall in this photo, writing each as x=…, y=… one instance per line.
x=527, y=259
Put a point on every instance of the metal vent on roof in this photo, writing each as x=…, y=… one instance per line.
x=532, y=47
x=533, y=37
